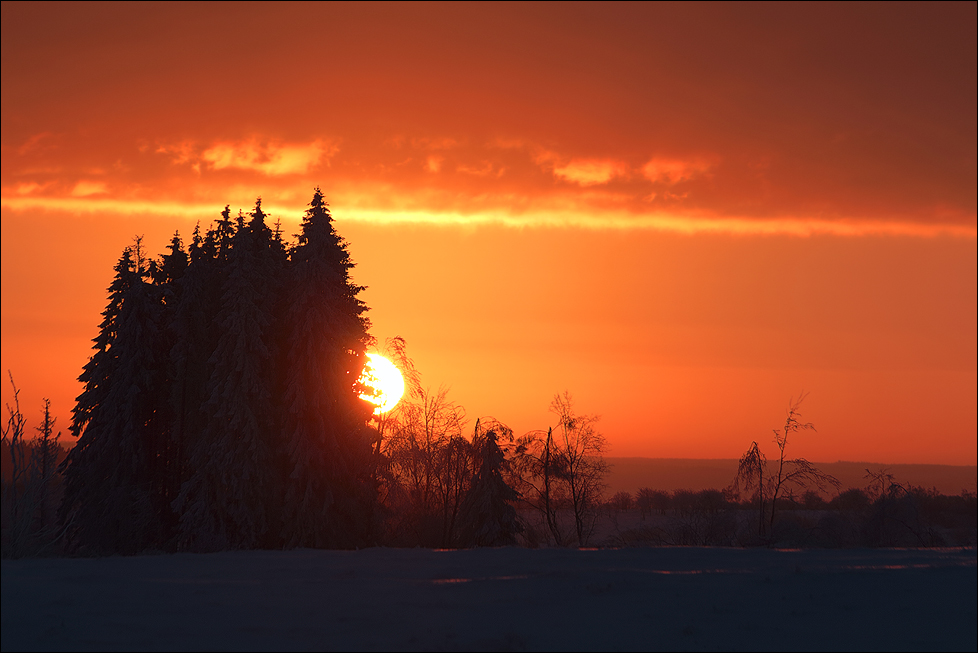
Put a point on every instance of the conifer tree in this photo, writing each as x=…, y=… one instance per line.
x=228, y=501
x=194, y=333
x=113, y=488
x=330, y=496
x=221, y=406
x=488, y=517
x=167, y=275
x=172, y=266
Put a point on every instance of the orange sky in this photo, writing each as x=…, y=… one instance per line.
x=683, y=214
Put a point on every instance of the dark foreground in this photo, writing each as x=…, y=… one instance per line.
x=492, y=599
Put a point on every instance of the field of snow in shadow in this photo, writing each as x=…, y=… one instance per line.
x=497, y=599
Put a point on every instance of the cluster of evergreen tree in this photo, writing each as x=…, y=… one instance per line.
x=221, y=405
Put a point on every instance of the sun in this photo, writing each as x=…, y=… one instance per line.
x=383, y=377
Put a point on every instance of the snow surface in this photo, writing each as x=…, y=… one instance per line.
x=497, y=599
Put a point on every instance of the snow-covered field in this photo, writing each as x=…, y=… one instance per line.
x=497, y=599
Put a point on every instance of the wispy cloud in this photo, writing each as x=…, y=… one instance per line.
x=673, y=171
x=555, y=217
x=433, y=163
x=268, y=158
x=580, y=171
x=90, y=205
x=591, y=172
x=272, y=158
x=28, y=188
x=33, y=142
x=182, y=152
x=86, y=188
x=664, y=222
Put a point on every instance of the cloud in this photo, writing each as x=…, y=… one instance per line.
x=590, y=172
x=584, y=172
x=183, y=152
x=270, y=158
x=433, y=163
x=665, y=222
x=558, y=215
x=673, y=171
x=28, y=188
x=86, y=188
x=33, y=142
x=101, y=206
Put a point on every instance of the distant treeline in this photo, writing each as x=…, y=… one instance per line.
x=883, y=514
x=630, y=474
x=428, y=492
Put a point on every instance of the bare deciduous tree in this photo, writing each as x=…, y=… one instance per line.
x=429, y=462
x=750, y=475
x=879, y=482
x=29, y=522
x=537, y=470
x=621, y=501
x=643, y=499
x=795, y=473
x=566, y=464
x=581, y=446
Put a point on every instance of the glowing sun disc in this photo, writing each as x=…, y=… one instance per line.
x=383, y=377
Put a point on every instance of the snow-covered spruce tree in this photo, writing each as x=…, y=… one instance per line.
x=171, y=267
x=225, y=502
x=112, y=501
x=191, y=327
x=167, y=274
x=488, y=517
x=330, y=498
x=230, y=499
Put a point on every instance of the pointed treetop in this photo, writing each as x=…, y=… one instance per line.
x=318, y=239
x=257, y=223
x=139, y=258
x=224, y=232
x=172, y=266
x=318, y=201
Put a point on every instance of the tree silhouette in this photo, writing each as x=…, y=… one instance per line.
x=563, y=465
x=113, y=491
x=30, y=483
x=489, y=517
x=621, y=501
x=539, y=469
x=220, y=407
x=581, y=447
x=430, y=466
x=329, y=497
x=750, y=475
x=229, y=500
x=191, y=322
x=797, y=471
x=791, y=473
